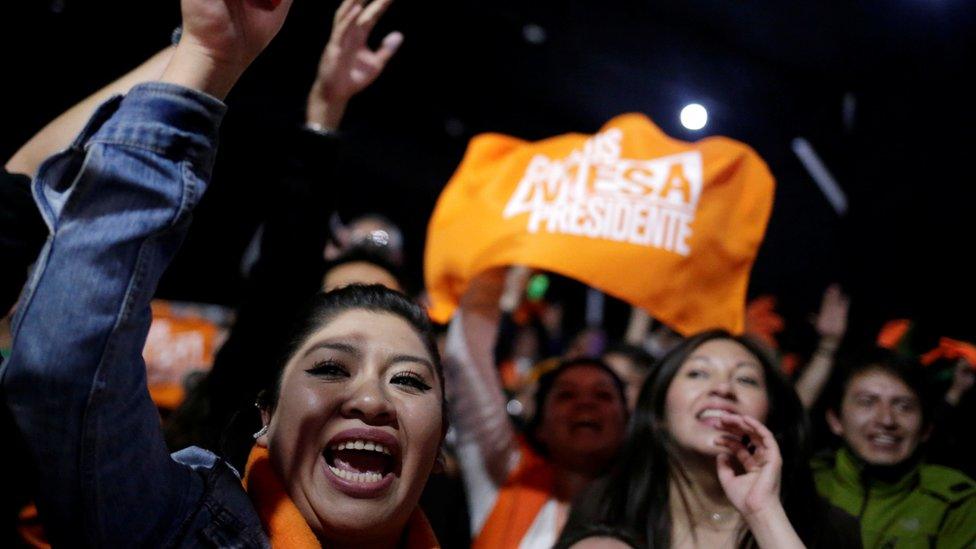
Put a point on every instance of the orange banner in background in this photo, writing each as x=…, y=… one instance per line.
x=666, y=225
x=182, y=339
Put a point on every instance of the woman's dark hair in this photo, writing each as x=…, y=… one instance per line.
x=635, y=497
x=569, y=539
x=363, y=253
x=902, y=367
x=548, y=380
x=637, y=356
x=324, y=307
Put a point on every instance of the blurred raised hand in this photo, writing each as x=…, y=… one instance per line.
x=348, y=65
x=831, y=324
x=831, y=321
x=963, y=379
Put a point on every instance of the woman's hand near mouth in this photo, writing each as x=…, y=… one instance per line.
x=750, y=471
x=750, y=468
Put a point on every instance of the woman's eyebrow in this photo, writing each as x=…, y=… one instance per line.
x=700, y=358
x=332, y=345
x=412, y=358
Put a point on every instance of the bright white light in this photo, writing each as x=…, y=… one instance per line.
x=534, y=34
x=514, y=408
x=694, y=116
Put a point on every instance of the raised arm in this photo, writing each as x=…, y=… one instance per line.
x=831, y=325
x=475, y=396
x=118, y=203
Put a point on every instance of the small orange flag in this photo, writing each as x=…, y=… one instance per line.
x=951, y=349
x=666, y=225
x=893, y=332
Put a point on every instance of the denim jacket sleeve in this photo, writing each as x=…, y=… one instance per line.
x=118, y=204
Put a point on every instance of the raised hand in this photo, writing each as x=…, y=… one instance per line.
x=963, y=379
x=220, y=39
x=831, y=322
x=348, y=65
x=750, y=469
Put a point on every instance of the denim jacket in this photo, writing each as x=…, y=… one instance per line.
x=117, y=203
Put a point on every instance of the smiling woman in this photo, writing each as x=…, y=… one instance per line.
x=715, y=457
x=356, y=419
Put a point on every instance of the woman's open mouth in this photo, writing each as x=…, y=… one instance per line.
x=362, y=463
x=712, y=416
x=585, y=425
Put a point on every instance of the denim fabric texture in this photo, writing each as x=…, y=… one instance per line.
x=118, y=204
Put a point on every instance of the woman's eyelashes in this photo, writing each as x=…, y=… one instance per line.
x=744, y=379
x=328, y=369
x=750, y=375
x=411, y=380
x=749, y=380
x=333, y=370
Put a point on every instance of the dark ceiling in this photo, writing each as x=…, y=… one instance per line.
x=878, y=88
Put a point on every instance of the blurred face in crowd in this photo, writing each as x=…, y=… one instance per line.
x=880, y=418
x=584, y=418
x=358, y=425
x=720, y=377
x=358, y=272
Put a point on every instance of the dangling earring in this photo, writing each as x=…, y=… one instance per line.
x=261, y=432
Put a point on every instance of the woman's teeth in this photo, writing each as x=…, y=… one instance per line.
x=361, y=478
x=711, y=412
x=358, y=466
x=361, y=445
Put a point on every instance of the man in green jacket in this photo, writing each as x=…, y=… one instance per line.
x=879, y=475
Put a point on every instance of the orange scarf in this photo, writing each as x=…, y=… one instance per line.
x=519, y=501
x=285, y=525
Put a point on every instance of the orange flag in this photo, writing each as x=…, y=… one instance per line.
x=893, y=332
x=666, y=225
x=951, y=349
x=762, y=320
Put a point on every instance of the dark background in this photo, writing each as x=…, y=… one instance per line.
x=768, y=71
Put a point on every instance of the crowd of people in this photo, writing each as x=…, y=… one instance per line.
x=359, y=423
